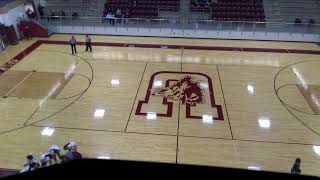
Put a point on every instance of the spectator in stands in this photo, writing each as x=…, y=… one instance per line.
x=73, y=43
x=198, y=3
x=30, y=14
x=55, y=152
x=40, y=9
x=296, y=167
x=31, y=167
x=122, y=17
x=30, y=159
x=134, y=3
x=111, y=17
x=208, y=3
x=53, y=16
x=22, y=30
x=45, y=160
x=311, y=22
x=27, y=32
x=311, y=25
x=62, y=14
x=72, y=153
x=127, y=15
x=68, y=147
x=195, y=3
x=30, y=163
x=104, y=15
x=75, y=15
x=297, y=21
x=76, y=154
x=202, y=3
x=88, y=43
x=118, y=12
x=106, y=5
x=64, y=158
x=118, y=15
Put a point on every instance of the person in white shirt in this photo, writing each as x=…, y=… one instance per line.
x=118, y=15
x=30, y=159
x=88, y=43
x=30, y=164
x=45, y=160
x=110, y=16
x=73, y=43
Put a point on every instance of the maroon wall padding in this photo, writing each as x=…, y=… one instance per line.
x=11, y=35
x=36, y=29
x=8, y=172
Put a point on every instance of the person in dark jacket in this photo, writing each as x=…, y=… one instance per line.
x=72, y=152
x=296, y=167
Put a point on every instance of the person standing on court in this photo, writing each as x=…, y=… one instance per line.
x=296, y=167
x=88, y=43
x=73, y=42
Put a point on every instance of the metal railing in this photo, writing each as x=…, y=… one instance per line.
x=201, y=9
x=181, y=24
x=168, y=8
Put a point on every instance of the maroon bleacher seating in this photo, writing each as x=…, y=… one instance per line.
x=145, y=8
x=232, y=10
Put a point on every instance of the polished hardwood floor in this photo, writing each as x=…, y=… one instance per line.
x=243, y=104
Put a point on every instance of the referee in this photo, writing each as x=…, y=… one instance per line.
x=73, y=42
x=88, y=43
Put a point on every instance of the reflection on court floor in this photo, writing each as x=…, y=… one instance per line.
x=252, y=105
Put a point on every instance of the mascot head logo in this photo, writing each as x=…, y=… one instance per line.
x=185, y=90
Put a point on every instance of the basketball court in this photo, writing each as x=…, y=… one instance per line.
x=242, y=104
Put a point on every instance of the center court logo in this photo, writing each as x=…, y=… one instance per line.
x=185, y=90
x=8, y=65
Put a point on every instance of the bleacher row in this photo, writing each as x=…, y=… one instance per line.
x=292, y=9
x=237, y=16
x=69, y=7
x=145, y=8
x=231, y=10
x=237, y=9
x=221, y=10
